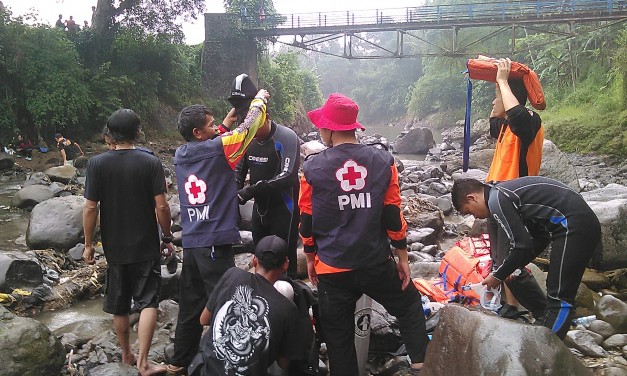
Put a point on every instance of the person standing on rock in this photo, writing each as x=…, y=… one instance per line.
x=68, y=149
x=533, y=212
x=209, y=212
x=128, y=185
x=273, y=161
x=350, y=214
x=519, y=136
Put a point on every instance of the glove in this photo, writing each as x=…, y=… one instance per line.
x=245, y=194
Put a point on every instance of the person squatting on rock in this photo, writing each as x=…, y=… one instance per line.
x=273, y=160
x=128, y=185
x=519, y=135
x=252, y=324
x=209, y=212
x=23, y=147
x=533, y=212
x=68, y=149
x=350, y=206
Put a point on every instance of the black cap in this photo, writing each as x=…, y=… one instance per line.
x=243, y=91
x=271, y=251
x=58, y=135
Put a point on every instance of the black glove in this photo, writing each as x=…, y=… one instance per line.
x=245, y=194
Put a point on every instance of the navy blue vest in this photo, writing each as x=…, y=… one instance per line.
x=349, y=183
x=208, y=195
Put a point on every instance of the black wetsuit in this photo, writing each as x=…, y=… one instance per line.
x=532, y=212
x=274, y=162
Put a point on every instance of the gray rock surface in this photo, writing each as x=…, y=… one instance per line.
x=113, y=369
x=416, y=141
x=615, y=342
x=85, y=330
x=28, y=197
x=555, y=165
x=614, y=311
x=472, y=343
x=56, y=223
x=603, y=328
x=18, y=270
x=584, y=342
x=37, y=178
x=62, y=174
x=6, y=161
x=27, y=348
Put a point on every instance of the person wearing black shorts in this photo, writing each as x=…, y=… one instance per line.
x=128, y=185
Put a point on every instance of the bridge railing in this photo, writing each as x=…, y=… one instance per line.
x=439, y=13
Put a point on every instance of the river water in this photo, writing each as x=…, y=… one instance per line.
x=13, y=222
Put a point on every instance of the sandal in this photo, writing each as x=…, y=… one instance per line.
x=175, y=370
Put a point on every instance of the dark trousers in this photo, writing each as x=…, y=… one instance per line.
x=337, y=295
x=202, y=268
x=278, y=221
x=571, y=250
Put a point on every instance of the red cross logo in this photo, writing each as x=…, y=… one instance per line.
x=195, y=189
x=351, y=176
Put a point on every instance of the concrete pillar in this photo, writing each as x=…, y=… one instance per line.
x=227, y=52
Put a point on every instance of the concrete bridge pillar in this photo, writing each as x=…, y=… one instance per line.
x=227, y=52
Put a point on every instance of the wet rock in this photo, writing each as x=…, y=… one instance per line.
x=6, y=161
x=610, y=206
x=472, y=343
x=424, y=270
x=595, y=280
x=244, y=261
x=598, y=339
x=37, y=178
x=603, y=328
x=555, y=165
x=615, y=342
x=56, y=223
x=28, y=197
x=384, y=333
x=170, y=282
x=69, y=341
x=86, y=330
x=76, y=252
x=62, y=174
x=27, y=348
x=56, y=188
x=614, y=312
x=168, y=311
x=416, y=141
x=17, y=270
x=113, y=369
x=585, y=343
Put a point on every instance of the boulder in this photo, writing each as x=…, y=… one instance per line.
x=615, y=342
x=56, y=223
x=603, y=328
x=62, y=174
x=113, y=369
x=17, y=270
x=6, y=161
x=473, y=343
x=595, y=280
x=584, y=301
x=37, y=178
x=424, y=270
x=384, y=333
x=86, y=329
x=311, y=147
x=81, y=161
x=27, y=348
x=480, y=160
x=610, y=206
x=614, y=311
x=28, y=197
x=555, y=165
x=584, y=342
x=480, y=175
x=246, y=214
x=416, y=141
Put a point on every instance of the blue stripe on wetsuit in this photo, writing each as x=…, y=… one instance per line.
x=560, y=321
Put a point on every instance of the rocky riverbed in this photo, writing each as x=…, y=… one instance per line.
x=51, y=276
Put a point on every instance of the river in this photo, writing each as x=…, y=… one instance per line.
x=13, y=222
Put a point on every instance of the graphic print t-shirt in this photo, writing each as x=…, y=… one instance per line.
x=252, y=325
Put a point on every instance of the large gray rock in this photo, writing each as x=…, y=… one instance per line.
x=603, y=328
x=56, y=223
x=556, y=166
x=62, y=174
x=6, y=161
x=473, y=343
x=37, y=178
x=416, y=141
x=27, y=348
x=113, y=369
x=584, y=342
x=610, y=206
x=472, y=173
x=28, y=197
x=17, y=270
x=614, y=311
x=86, y=330
x=615, y=342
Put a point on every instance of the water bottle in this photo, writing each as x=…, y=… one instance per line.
x=585, y=321
x=425, y=308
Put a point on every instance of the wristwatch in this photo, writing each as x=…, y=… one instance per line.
x=166, y=239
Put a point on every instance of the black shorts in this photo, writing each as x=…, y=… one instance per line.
x=138, y=281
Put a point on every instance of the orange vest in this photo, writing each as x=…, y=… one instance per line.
x=506, y=160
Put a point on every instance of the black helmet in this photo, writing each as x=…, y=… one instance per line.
x=243, y=91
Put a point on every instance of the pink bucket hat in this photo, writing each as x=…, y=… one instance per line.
x=339, y=113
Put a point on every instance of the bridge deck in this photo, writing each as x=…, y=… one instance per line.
x=437, y=17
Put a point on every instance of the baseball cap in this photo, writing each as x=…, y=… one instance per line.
x=243, y=91
x=271, y=251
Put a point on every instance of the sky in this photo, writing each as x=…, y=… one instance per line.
x=48, y=10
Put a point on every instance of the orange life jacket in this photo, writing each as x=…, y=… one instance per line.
x=459, y=269
x=506, y=164
x=485, y=69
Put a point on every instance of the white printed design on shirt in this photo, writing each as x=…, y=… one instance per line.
x=195, y=189
x=351, y=176
x=241, y=330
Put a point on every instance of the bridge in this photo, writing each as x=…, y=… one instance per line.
x=310, y=29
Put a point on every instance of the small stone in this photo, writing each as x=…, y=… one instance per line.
x=615, y=342
x=614, y=311
x=603, y=328
x=584, y=342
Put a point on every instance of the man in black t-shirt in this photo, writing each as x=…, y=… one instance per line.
x=128, y=184
x=69, y=149
x=252, y=324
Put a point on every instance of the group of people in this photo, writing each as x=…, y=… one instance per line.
x=23, y=147
x=346, y=207
x=70, y=25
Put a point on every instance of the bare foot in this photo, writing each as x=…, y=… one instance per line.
x=130, y=359
x=151, y=369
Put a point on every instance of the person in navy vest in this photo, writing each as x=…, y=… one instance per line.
x=350, y=214
x=209, y=211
